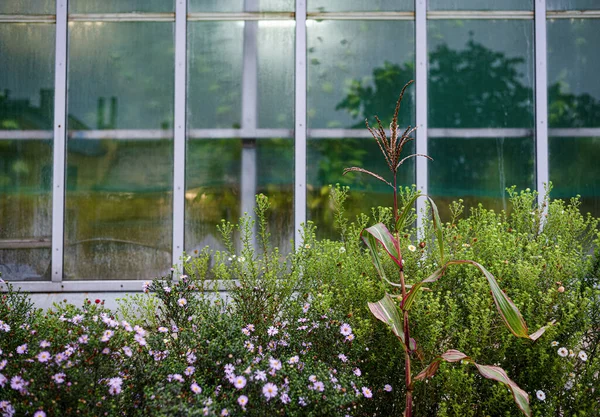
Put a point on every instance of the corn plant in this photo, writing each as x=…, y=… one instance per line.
x=394, y=309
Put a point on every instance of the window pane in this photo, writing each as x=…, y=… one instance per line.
x=327, y=159
x=28, y=6
x=118, y=212
x=213, y=187
x=479, y=170
x=573, y=63
x=120, y=6
x=356, y=70
x=220, y=6
x=480, y=5
x=572, y=4
x=360, y=6
x=216, y=74
x=26, y=104
x=574, y=170
x=481, y=73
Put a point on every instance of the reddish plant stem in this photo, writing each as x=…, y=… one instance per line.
x=395, y=201
x=407, y=372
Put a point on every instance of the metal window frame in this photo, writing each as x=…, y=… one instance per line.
x=300, y=133
x=300, y=130
x=541, y=101
x=59, y=148
x=421, y=63
x=179, y=141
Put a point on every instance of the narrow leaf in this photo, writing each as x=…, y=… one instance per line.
x=357, y=169
x=453, y=355
x=386, y=311
x=429, y=371
x=371, y=243
x=498, y=374
x=387, y=240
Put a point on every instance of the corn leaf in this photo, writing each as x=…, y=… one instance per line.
x=387, y=311
x=490, y=372
x=383, y=236
x=371, y=243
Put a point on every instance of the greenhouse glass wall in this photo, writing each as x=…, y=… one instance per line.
x=130, y=128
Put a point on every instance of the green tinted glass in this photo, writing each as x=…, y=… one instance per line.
x=360, y=6
x=26, y=119
x=480, y=73
x=480, y=5
x=120, y=6
x=478, y=170
x=118, y=208
x=573, y=62
x=219, y=6
x=572, y=4
x=574, y=170
x=356, y=69
x=28, y=6
x=327, y=159
x=215, y=174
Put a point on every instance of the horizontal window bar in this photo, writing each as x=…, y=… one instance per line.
x=151, y=134
x=27, y=18
x=491, y=14
x=479, y=133
x=361, y=15
x=121, y=17
x=29, y=243
x=573, y=14
x=96, y=286
x=242, y=16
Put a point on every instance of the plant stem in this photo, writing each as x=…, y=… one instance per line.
x=396, y=203
x=407, y=372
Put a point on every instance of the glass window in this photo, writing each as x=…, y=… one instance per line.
x=480, y=5
x=28, y=7
x=480, y=77
x=241, y=76
x=327, y=159
x=233, y=6
x=573, y=106
x=26, y=120
x=360, y=6
x=478, y=170
x=118, y=214
x=356, y=69
x=120, y=6
x=572, y=4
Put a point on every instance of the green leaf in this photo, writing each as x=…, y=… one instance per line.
x=371, y=243
x=508, y=310
x=387, y=311
x=387, y=240
x=490, y=372
x=437, y=224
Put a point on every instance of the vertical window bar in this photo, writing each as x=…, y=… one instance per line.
x=541, y=100
x=60, y=119
x=421, y=101
x=249, y=113
x=180, y=129
x=300, y=123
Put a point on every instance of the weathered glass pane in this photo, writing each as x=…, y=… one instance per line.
x=233, y=6
x=573, y=63
x=28, y=6
x=227, y=73
x=356, y=69
x=214, y=186
x=574, y=170
x=327, y=159
x=480, y=5
x=481, y=73
x=360, y=6
x=118, y=215
x=478, y=170
x=120, y=6
x=572, y=4
x=26, y=119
